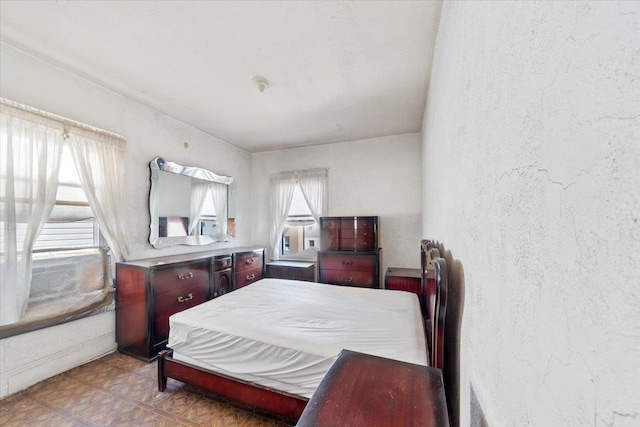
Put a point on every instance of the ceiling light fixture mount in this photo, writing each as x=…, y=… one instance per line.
x=261, y=82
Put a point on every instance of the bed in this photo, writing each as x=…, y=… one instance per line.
x=268, y=345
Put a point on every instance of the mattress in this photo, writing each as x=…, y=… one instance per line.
x=285, y=334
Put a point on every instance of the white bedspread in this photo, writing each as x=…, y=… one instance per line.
x=285, y=334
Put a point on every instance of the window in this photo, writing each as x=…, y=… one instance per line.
x=298, y=199
x=71, y=224
x=301, y=231
x=55, y=174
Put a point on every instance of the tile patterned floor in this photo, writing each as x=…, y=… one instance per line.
x=117, y=390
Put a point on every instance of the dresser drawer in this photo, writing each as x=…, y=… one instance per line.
x=348, y=223
x=244, y=278
x=360, y=233
x=347, y=261
x=248, y=261
x=222, y=282
x=349, y=268
x=192, y=273
x=173, y=298
x=221, y=263
x=363, y=244
x=349, y=278
x=359, y=222
x=330, y=224
x=330, y=240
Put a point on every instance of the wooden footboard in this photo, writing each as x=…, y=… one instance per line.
x=265, y=399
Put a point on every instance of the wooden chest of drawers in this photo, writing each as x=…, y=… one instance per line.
x=349, y=268
x=349, y=252
x=146, y=297
x=149, y=291
x=249, y=267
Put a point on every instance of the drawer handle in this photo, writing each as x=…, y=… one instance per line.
x=347, y=262
x=188, y=276
x=347, y=279
x=188, y=298
x=251, y=277
x=250, y=261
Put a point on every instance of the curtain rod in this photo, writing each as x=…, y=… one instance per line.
x=59, y=119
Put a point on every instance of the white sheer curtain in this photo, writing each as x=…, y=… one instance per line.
x=219, y=194
x=199, y=193
x=31, y=148
x=314, y=184
x=99, y=159
x=281, y=193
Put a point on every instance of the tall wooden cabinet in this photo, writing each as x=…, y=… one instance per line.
x=149, y=291
x=349, y=252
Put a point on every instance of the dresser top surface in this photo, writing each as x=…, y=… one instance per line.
x=349, y=218
x=194, y=256
x=349, y=252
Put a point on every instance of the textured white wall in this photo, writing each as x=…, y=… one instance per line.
x=39, y=84
x=378, y=176
x=531, y=178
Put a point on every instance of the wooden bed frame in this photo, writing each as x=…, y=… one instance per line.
x=290, y=406
x=435, y=288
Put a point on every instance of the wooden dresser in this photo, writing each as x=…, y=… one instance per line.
x=349, y=252
x=148, y=291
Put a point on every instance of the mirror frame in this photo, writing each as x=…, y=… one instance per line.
x=159, y=164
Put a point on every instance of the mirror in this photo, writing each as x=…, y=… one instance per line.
x=188, y=205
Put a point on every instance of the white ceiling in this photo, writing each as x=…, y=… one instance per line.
x=338, y=71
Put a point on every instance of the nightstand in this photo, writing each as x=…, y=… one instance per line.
x=403, y=279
